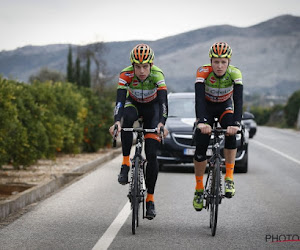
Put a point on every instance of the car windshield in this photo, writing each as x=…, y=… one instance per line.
x=182, y=107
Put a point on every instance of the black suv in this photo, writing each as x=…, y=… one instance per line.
x=177, y=146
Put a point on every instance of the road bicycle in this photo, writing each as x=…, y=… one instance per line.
x=214, y=185
x=137, y=187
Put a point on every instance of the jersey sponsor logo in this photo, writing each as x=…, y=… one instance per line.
x=219, y=92
x=201, y=69
x=200, y=79
x=212, y=98
x=143, y=96
x=135, y=83
x=238, y=80
x=160, y=82
x=165, y=110
x=212, y=79
x=218, y=95
x=118, y=106
x=122, y=81
x=129, y=74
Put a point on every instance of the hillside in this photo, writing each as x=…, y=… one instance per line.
x=267, y=53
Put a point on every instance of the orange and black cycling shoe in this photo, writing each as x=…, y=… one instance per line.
x=123, y=176
x=150, y=210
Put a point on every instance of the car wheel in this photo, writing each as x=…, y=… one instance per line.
x=242, y=167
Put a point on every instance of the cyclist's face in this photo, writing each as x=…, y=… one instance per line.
x=219, y=65
x=142, y=70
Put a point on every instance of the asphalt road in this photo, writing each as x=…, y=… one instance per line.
x=90, y=213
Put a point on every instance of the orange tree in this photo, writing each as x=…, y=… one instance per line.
x=41, y=119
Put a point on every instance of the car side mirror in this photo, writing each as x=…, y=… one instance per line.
x=247, y=115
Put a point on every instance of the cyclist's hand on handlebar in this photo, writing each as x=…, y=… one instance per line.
x=205, y=128
x=159, y=126
x=112, y=129
x=232, y=130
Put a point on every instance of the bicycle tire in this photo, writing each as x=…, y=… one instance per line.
x=215, y=198
x=143, y=199
x=134, y=193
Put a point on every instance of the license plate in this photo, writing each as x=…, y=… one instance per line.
x=189, y=151
x=209, y=152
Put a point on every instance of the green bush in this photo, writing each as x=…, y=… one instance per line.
x=42, y=119
x=97, y=121
x=261, y=114
x=36, y=142
x=292, y=108
x=277, y=118
x=11, y=130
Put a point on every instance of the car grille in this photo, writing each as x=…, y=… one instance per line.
x=182, y=139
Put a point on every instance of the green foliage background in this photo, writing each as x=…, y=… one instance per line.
x=39, y=120
x=283, y=116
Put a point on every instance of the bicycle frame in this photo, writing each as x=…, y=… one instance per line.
x=218, y=135
x=213, y=193
x=137, y=188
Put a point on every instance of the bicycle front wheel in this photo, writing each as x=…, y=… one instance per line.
x=215, y=196
x=135, y=195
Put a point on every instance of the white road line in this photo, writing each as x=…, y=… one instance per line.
x=278, y=152
x=111, y=232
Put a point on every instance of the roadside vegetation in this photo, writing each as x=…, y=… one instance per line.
x=279, y=115
x=52, y=115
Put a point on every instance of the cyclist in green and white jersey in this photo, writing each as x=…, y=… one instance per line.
x=218, y=93
x=142, y=92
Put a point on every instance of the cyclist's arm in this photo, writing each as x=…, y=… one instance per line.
x=163, y=105
x=120, y=102
x=119, y=108
x=124, y=80
x=236, y=76
x=200, y=104
x=238, y=103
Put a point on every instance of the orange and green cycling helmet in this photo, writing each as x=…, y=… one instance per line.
x=142, y=53
x=220, y=50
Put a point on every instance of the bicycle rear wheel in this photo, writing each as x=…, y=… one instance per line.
x=215, y=196
x=135, y=196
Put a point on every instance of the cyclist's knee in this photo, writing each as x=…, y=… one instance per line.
x=151, y=146
x=230, y=142
x=199, y=157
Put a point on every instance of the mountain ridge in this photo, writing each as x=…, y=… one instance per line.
x=267, y=53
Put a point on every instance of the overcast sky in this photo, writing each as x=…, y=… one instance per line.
x=41, y=22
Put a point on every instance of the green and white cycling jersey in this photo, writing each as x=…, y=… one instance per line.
x=218, y=89
x=142, y=92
